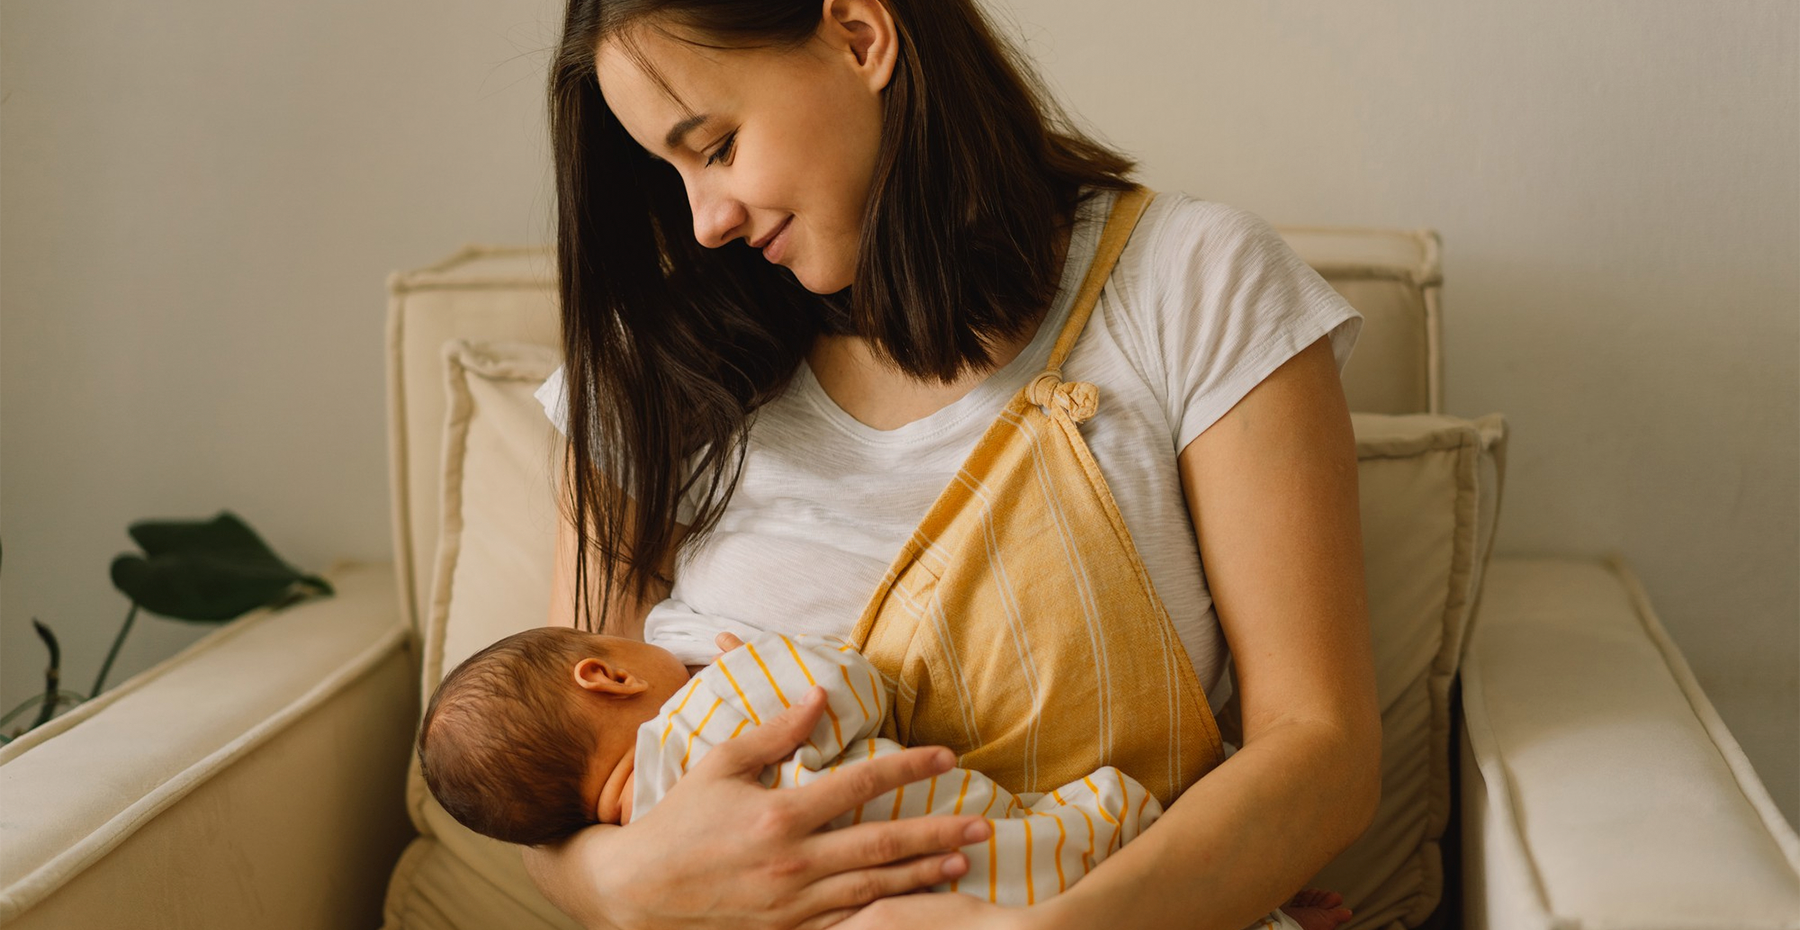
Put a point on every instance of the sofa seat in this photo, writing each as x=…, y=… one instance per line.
x=1600, y=789
x=271, y=794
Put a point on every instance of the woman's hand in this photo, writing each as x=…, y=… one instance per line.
x=720, y=850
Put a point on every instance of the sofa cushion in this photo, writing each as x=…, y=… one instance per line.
x=1430, y=492
x=1429, y=495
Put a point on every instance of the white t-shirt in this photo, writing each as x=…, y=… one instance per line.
x=1204, y=303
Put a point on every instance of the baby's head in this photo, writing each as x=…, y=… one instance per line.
x=533, y=738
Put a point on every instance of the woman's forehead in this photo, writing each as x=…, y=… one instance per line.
x=647, y=69
x=651, y=94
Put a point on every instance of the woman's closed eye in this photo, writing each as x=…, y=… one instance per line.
x=723, y=149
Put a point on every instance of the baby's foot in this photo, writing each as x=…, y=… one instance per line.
x=1314, y=909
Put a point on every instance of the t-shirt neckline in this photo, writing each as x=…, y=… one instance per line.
x=988, y=395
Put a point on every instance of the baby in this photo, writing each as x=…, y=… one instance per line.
x=553, y=729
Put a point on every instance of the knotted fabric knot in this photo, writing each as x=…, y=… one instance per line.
x=1078, y=399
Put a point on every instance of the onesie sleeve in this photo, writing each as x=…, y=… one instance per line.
x=553, y=395
x=688, y=726
x=1228, y=302
x=771, y=671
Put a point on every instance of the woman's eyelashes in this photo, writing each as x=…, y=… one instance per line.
x=723, y=149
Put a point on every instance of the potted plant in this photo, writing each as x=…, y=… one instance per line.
x=210, y=571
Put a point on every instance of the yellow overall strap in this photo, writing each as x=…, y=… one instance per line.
x=1018, y=625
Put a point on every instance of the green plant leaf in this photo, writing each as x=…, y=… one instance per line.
x=208, y=571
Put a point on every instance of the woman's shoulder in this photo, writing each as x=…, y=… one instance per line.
x=1208, y=298
x=1179, y=231
x=1190, y=254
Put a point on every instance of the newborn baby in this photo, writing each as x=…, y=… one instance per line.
x=553, y=729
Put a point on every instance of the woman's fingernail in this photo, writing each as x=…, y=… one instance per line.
x=976, y=832
x=955, y=864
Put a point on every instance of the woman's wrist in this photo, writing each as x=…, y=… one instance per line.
x=1063, y=912
x=560, y=874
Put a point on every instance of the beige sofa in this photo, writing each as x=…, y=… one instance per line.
x=1548, y=760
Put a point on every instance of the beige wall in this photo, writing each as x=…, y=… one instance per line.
x=199, y=200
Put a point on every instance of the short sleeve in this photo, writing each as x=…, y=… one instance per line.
x=553, y=395
x=1232, y=303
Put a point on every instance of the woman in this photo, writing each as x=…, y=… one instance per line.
x=781, y=420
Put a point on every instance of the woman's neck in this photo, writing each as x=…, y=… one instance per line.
x=880, y=397
x=832, y=352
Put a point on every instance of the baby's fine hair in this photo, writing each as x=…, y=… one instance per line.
x=502, y=746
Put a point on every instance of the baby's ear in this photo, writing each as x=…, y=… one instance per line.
x=599, y=676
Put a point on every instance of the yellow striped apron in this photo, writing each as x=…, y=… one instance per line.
x=1018, y=625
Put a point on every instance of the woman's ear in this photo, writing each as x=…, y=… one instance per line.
x=601, y=677
x=866, y=30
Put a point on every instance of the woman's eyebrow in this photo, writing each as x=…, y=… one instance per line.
x=680, y=130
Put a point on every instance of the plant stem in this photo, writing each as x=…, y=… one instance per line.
x=52, y=673
x=62, y=694
x=113, y=653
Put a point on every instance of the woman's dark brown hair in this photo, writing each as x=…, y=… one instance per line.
x=669, y=345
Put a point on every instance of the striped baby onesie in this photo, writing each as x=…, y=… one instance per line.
x=1040, y=844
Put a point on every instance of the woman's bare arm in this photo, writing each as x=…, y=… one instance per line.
x=1272, y=489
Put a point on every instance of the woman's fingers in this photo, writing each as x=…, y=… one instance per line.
x=883, y=843
x=855, y=889
x=726, y=642
x=855, y=784
x=770, y=743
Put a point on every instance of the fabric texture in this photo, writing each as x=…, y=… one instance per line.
x=1205, y=301
x=1041, y=844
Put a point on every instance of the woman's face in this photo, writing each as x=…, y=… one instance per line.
x=776, y=148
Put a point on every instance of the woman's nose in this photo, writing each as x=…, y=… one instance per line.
x=716, y=218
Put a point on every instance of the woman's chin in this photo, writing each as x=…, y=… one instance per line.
x=820, y=284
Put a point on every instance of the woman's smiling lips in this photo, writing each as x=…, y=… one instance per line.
x=775, y=244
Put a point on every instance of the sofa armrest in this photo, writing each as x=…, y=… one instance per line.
x=1600, y=789
x=254, y=779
